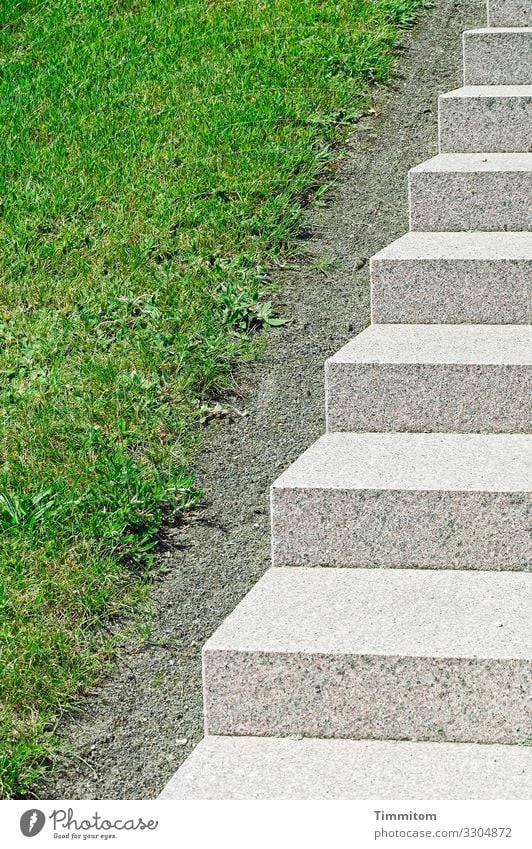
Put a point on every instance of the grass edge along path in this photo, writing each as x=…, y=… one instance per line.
x=156, y=157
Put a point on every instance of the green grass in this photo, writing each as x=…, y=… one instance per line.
x=155, y=158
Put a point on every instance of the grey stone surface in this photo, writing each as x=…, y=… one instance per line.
x=498, y=56
x=282, y=768
x=453, y=278
x=384, y=612
x=414, y=461
x=440, y=344
x=486, y=118
x=432, y=378
x=399, y=654
x=472, y=191
x=510, y=13
x=406, y=499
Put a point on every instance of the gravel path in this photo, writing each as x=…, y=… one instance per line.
x=147, y=715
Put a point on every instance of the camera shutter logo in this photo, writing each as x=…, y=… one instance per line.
x=32, y=822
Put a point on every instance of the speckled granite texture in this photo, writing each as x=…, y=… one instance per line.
x=406, y=499
x=432, y=530
x=282, y=768
x=498, y=56
x=367, y=697
x=486, y=118
x=439, y=378
x=452, y=278
x=427, y=398
x=371, y=654
x=510, y=13
x=472, y=191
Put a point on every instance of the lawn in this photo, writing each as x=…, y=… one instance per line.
x=156, y=156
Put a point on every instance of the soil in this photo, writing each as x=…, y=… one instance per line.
x=146, y=716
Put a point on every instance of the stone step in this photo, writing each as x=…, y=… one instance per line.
x=498, y=56
x=486, y=118
x=464, y=378
x=510, y=13
x=371, y=653
x=406, y=499
x=310, y=768
x=452, y=278
x=472, y=191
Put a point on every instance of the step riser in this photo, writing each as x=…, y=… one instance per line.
x=497, y=58
x=430, y=398
x=470, y=201
x=375, y=697
x=453, y=291
x=485, y=124
x=386, y=528
x=509, y=13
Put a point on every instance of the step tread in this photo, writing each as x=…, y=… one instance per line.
x=283, y=768
x=419, y=244
x=497, y=30
x=488, y=92
x=439, y=343
x=447, y=462
x=472, y=163
x=375, y=612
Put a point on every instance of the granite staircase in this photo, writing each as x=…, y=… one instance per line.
x=387, y=654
